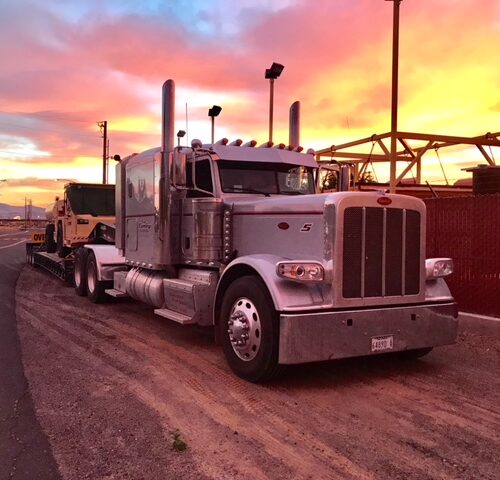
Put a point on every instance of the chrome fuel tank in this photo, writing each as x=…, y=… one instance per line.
x=146, y=286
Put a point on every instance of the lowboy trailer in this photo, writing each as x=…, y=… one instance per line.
x=235, y=236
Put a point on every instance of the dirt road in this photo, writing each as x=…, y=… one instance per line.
x=111, y=384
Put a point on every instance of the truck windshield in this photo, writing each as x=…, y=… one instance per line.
x=92, y=200
x=267, y=178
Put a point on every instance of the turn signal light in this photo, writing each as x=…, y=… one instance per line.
x=438, y=267
x=301, y=271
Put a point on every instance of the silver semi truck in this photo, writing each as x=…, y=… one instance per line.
x=235, y=236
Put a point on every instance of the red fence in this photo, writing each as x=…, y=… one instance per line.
x=468, y=230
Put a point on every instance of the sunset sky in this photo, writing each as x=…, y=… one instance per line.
x=67, y=64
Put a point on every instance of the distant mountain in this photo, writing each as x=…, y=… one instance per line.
x=10, y=211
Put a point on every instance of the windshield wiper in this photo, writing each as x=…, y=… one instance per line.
x=292, y=192
x=245, y=190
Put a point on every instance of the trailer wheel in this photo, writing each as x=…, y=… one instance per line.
x=49, y=238
x=29, y=254
x=249, y=330
x=80, y=272
x=95, y=287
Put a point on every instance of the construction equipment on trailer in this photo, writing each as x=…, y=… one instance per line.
x=235, y=236
x=73, y=219
x=85, y=215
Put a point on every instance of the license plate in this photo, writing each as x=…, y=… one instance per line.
x=380, y=344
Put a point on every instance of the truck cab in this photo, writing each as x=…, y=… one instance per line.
x=236, y=237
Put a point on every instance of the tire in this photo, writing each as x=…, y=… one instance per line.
x=49, y=238
x=95, y=288
x=29, y=254
x=80, y=272
x=248, y=316
x=414, y=354
x=62, y=251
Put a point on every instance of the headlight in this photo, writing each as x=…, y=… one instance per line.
x=438, y=267
x=82, y=221
x=301, y=271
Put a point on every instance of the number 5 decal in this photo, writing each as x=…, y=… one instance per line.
x=306, y=227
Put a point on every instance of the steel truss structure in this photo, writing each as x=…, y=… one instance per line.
x=411, y=155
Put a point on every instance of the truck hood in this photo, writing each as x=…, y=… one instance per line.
x=278, y=203
x=311, y=204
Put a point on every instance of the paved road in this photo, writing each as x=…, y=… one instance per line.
x=24, y=450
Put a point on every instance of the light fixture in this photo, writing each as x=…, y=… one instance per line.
x=272, y=74
x=212, y=113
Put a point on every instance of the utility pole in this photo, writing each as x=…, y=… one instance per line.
x=394, y=96
x=104, y=130
x=30, y=210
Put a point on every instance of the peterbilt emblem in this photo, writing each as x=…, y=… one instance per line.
x=306, y=227
x=384, y=200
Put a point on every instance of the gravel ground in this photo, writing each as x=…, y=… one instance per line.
x=112, y=384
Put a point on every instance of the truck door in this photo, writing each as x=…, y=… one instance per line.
x=200, y=184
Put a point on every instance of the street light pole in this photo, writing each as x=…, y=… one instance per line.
x=212, y=113
x=394, y=95
x=104, y=129
x=271, y=108
x=272, y=74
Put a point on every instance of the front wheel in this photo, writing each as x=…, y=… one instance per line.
x=95, y=287
x=61, y=250
x=50, y=243
x=249, y=330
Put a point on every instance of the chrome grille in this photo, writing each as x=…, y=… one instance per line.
x=381, y=255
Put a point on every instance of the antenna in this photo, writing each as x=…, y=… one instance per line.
x=187, y=131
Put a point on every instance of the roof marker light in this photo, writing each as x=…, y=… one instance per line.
x=196, y=143
x=236, y=143
x=299, y=149
x=268, y=144
x=222, y=141
x=311, y=151
x=251, y=143
x=280, y=146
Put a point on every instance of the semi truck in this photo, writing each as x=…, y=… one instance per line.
x=84, y=215
x=235, y=236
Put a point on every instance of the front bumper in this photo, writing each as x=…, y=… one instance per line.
x=314, y=337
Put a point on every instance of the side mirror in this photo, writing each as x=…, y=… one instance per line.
x=178, y=168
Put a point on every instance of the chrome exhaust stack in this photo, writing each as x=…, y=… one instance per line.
x=294, y=127
x=169, y=253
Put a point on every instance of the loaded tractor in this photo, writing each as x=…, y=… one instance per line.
x=85, y=215
x=73, y=219
x=234, y=236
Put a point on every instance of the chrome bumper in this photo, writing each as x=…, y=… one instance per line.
x=321, y=336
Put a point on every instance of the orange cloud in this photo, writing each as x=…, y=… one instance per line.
x=60, y=74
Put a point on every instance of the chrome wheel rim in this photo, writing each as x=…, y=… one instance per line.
x=244, y=329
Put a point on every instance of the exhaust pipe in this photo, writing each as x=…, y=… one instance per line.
x=168, y=253
x=294, y=128
x=167, y=121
